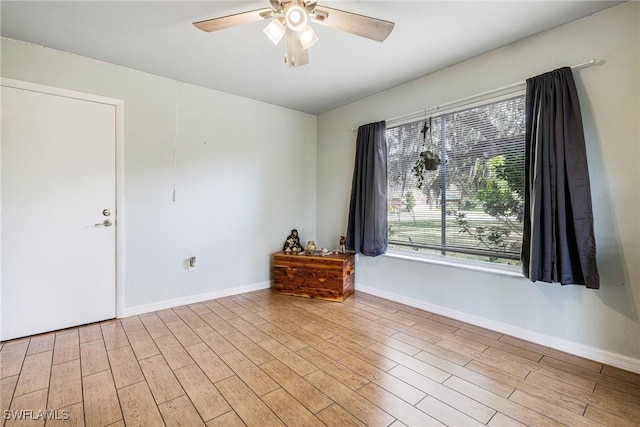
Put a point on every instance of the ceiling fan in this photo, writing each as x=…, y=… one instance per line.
x=291, y=20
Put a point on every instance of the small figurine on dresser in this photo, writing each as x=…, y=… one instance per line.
x=311, y=246
x=292, y=244
x=343, y=243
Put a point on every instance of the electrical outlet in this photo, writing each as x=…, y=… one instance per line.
x=192, y=263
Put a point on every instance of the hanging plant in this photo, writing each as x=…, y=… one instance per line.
x=428, y=160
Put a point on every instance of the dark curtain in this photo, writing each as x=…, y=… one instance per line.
x=367, y=228
x=558, y=242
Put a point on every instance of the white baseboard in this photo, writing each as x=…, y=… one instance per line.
x=192, y=299
x=602, y=356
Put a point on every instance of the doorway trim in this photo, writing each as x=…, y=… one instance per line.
x=119, y=163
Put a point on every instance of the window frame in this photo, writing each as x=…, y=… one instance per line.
x=404, y=252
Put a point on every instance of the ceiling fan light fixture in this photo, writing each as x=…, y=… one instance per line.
x=307, y=37
x=290, y=20
x=295, y=17
x=275, y=31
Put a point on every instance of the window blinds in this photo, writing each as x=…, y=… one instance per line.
x=472, y=204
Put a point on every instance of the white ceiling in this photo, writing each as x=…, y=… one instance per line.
x=157, y=37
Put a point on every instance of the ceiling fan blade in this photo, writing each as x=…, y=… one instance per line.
x=360, y=25
x=296, y=54
x=224, y=22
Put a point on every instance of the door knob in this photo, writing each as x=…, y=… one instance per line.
x=105, y=223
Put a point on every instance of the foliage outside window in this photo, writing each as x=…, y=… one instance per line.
x=472, y=205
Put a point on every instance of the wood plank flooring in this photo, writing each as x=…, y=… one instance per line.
x=262, y=359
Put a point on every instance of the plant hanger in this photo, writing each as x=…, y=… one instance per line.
x=425, y=129
x=428, y=160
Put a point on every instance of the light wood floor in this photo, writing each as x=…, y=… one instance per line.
x=263, y=359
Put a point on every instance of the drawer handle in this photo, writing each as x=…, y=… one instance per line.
x=291, y=272
x=323, y=279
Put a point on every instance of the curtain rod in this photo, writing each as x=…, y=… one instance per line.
x=586, y=64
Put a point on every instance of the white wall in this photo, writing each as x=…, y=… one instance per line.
x=236, y=200
x=590, y=322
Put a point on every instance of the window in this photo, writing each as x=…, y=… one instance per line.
x=471, y=206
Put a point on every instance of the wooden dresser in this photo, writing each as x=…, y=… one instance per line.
x=329, y=277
